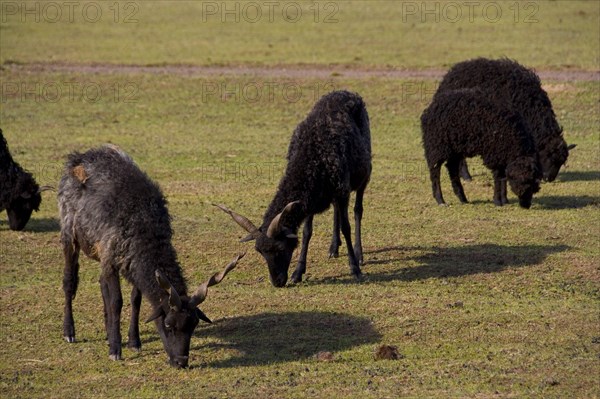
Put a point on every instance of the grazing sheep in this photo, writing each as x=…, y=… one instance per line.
x=20, y=195
x=519, y=89
x=329, y=156
x=112, y=211
x=465, y=123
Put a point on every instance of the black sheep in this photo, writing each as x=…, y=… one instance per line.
x=329, y=156
x=464, y=123
x=20, y=195
x=519, y=89
x=112, y=211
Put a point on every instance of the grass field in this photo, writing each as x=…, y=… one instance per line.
x=409, y=34
x=481, y=301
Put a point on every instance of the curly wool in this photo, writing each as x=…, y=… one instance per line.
x=329, y=156
x=15, y=183
x=108, y=204
x=520, y=90
x=465, y=123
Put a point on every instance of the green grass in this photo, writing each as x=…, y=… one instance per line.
x=555, y=34
x=479, y=299
x=482, y=301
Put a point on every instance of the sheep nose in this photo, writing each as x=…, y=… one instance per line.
x=180, y=362
x=279, y=281
x=525, y=202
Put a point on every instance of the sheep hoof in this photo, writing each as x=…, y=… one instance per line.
x=70, y=338
x=358, y=276
x=443, y=204
x=116, y=356
x=334, y=251
x=296, y=278
x=135, y=346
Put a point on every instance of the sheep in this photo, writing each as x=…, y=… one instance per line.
x=465, y=123
x=329, y=156
x=519, y=89
x=20, y=195
x=118, y=216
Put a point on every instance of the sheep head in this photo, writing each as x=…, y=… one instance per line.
x=20, y=209
x=524, y=177
x=177, y=316
x=553, y=156
x=276, y=245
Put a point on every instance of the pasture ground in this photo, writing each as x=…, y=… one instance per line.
x=480, y=301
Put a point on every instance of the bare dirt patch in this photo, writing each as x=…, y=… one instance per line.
x=558, y=87
x=276, y=71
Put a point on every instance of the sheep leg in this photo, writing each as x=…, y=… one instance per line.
x=464, y=170
x=499, y=188
x=346, y=231
x=358, y=212
x=134, y=341
x=503, y=196
x=453, y=166
x=105, y=312
x=70, y=282
x=335, y=239
x=434, y=175
x=111, y=293
x=306, y=235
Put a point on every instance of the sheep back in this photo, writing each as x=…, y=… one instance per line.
x=118, y=215
x=329, y=154
x=519, y=89
x=464, y=123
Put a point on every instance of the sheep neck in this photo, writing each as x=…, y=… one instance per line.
x=164, y=259
x=288, y=192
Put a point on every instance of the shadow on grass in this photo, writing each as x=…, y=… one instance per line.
x=512, y=201
x=269, y=338
x=567, y=202
x=42, y=225
x=545, y=202
x=579, y=176
x=436, y=262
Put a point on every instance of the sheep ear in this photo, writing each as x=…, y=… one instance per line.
x=155, y=315
x=571, y=146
